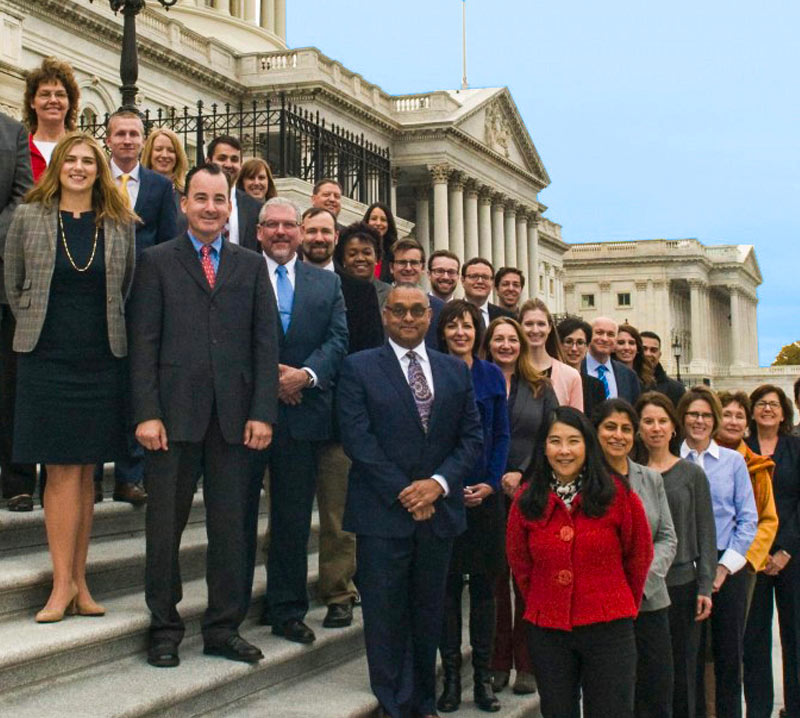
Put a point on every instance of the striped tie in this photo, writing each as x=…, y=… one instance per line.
x=601, y=374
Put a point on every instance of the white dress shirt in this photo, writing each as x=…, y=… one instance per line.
x=484, y=310
x=233, y=220
x=133, y=181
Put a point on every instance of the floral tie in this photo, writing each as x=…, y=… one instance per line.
x=423, y=397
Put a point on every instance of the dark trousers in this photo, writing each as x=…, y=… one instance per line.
x=758, y=686
x=481, y=618
x=597, y=661
x=510, y=635
x=727, y=639
x=292, y=482
x=654, y=670
x=685, y=634
x=16, y=478
x=402, y=585
x=231, y=499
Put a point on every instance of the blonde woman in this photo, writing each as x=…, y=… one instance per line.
x=68, y=266
x=164, y=153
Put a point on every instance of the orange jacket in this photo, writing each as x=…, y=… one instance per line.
x=761, y=468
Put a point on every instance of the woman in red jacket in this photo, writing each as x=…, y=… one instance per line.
x=579, y=547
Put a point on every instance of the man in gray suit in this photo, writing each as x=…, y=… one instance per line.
x=15, y=180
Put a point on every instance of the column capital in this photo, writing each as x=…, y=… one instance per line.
x=569, y=287
x=511, y=208
x=485, y=194
x=457, y=180
x=472, y=188
x=695, y=283
x=499, y=199
x=641, y=285
x=440, y=173
x=605, y=286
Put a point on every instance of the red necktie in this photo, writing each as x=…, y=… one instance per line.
x=208, y=265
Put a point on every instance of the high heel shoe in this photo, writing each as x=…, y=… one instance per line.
x=54, y=615
x=90, y=608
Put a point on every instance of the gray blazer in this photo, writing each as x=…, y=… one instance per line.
x=649, y=487
x=30, y=259
x=15, y=179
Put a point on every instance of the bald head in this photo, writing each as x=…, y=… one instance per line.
x=407, y=315
x=604, y=338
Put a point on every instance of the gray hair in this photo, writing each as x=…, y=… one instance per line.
x=279, y=202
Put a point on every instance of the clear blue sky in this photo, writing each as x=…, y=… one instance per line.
x=654, y=119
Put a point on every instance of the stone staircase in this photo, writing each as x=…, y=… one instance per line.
x=95, y=667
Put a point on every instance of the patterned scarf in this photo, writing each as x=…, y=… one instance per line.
x=566, y=492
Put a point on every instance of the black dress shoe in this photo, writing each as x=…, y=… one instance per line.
x=236, y=649
x=294, y=630
x=163, y=653
x=339, y=615
x=130, y=493
x=22, y=502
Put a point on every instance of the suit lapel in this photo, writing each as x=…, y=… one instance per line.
x=521, y=402
x=144, y=187
x=439, y=373
x=302, y=286
x=49, y=221
x=228, y=258
x=394, y=373
x=188, y=257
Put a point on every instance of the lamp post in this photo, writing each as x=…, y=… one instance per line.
x=129, y=60
x=677, y=350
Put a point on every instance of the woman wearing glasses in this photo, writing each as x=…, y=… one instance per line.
x=736, y=519
x=770, y=435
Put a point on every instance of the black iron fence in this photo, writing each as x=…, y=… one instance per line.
x=294, y=141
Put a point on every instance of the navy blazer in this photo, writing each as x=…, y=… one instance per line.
x=248, y=209
x=382, y=434
x=490, y=396
x=431, y=339
x=317, y=338
x=155, y=205
x=628, y=385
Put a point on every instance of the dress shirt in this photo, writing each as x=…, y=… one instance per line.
x=329, y=267
x=425, y=364
x=133, y=181
x=735, y=512
x=233, y=220
x=272, y=268
x=45, y=149
x=216, y=247
x=591, y=369
x=484, y=310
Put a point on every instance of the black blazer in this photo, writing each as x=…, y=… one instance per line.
x=593, y=393
x=628, y=385
x=431, y=340
x=247, y=211
x=383, y=436
x=364, y=325
x=525, y=417
x=155, y=205
x=192, y=347
x=495, y=310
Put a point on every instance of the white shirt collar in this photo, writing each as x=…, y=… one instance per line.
x=329, y=267
x=712, y=449
x=272, y=265
x=400, y=352
x=133, y=175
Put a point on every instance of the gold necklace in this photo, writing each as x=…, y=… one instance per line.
x=66, y=246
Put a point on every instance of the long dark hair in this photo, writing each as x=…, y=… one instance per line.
x=597, y=486
x=388, y=239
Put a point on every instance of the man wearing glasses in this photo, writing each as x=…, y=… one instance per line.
x=443, y=267
x=477, y=276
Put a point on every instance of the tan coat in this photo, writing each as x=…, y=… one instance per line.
x=30, y=258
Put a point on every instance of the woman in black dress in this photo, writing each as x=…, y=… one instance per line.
x=68, y=266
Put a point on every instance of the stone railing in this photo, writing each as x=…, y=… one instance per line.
x=412, y=103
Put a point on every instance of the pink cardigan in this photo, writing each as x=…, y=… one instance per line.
x=567, y=385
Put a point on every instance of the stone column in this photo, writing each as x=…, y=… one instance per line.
x=604, y=305
x=393, y=191
x=641, y=305
x=485, y=223
x=511, y=234
x=441, y=232
x=738, y=328
x=751, y=310
x=422, y=228
x=456, y=214
x=224, y=6
x=533, y=254
x=498, y=231
x=522, y=251
x=268, y=15
x=280, y=18
x=250, y=10
x=471, y=232
x=697, y=307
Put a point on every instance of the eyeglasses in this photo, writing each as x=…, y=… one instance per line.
x=699, y=415
x=439, y=272
x=400, y=310
x=478, y=277
x=761, y=404
x=413, y=263
x=48, y=94
x=273, y=224
x=574, y=342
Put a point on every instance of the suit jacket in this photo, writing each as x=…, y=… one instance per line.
x=247, y=211
x=364, y=325
x=526, y=414
x=593, y=393
x=193, y=347
x=30, y=260
x=155, y=205
x=15, y=180
x=383, y=436
x=431, y=339
x=495, y=310
x=628, y=386
x=317, y=338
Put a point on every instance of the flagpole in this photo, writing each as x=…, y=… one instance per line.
x=464, y=84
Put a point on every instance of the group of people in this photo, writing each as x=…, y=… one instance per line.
x=621, y=538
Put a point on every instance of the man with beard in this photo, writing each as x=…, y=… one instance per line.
x=652, y=353
x=508, y=285
x=443, y=267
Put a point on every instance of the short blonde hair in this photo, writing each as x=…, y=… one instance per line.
x=181, y=161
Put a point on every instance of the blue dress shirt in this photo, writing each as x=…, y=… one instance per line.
x=591, y=370
x=735, y=513
x=216, y=248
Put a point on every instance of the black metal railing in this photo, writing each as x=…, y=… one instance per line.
x=294, y=141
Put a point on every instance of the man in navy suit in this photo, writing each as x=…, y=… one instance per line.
x=477, y=278
x=312, y=339
x=152, y=198
x=617, y=379
x=409, y=423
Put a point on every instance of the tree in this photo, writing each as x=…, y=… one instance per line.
x=790, y=354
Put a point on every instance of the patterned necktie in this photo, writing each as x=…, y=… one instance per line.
x=285, y=297
x=207, y=264
x=423, y=397
x=601, y=374
x=123, y=189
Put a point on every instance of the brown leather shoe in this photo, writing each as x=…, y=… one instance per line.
x=130, y=493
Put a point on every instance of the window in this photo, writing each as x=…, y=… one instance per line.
x=587, y=301
x=623, y=299
x=541, y=283
x=552, y=286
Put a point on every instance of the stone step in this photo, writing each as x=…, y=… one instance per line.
x=40, y=652
x=127, y=687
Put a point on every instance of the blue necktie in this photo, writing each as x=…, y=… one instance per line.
x=285, y=297
x=601, y=374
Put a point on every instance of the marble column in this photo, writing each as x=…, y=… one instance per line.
x=522, y=250
x=422, y=227
x=485, y=223
x=441, y=231
x=498, y=231
x=280, y=18
x=511, y=234
x=533, y=255
x=471, y=232
x=393, y=191
x=268, y=15
x=224, y=6
x=456, y=214
x=697, y=290
x=738, y=331
x=641, y=305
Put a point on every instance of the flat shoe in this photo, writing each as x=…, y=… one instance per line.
x=163, y=653
x=23, y=502
x=339, y=615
